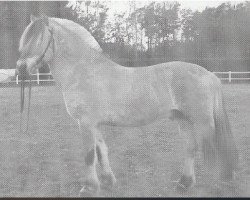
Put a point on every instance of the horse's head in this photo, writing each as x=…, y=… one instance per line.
x=36, y=45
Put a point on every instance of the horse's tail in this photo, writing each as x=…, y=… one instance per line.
x=219, y=148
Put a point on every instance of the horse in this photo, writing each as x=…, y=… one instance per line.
x=98, y=92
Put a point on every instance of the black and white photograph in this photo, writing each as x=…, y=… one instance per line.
x=125, y=98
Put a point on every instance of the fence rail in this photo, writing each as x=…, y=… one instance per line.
x=38, y=80
x=230, y=77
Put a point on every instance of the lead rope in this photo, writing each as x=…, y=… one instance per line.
x=29, y=100
x=22, y=104
x=23, y=86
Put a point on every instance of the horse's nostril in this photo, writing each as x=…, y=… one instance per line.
x=21, y=70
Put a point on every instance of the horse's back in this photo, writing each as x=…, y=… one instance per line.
x=181, y=68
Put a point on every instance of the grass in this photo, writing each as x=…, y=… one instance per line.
x=147, y=161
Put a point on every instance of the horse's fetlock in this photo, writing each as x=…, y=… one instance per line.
x=185, y=183
x=108, y=179
x=91, y=187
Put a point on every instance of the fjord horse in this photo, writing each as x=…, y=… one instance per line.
x=98, y=91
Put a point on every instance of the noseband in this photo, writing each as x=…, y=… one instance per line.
x=38, y=61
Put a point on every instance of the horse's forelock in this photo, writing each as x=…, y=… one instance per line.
x=32, y=30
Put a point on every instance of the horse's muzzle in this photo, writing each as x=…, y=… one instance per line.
x=21, y=71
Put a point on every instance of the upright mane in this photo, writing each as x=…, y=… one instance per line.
x=80, y=31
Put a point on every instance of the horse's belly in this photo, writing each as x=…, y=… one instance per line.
x=134, y=108
x=130, y=117
x=138, y=112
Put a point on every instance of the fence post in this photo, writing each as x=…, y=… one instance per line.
x=37, y=77
x=230, y=76
x=17, y=79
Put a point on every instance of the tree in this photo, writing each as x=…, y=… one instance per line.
x=220, y=35
x=160, y=22
x=92, y=15
x=213, y=38
x=189, y=25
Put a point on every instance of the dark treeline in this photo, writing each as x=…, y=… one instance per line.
x=215, y=38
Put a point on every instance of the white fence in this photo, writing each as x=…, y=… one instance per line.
x=38, y=80
x=230, y=77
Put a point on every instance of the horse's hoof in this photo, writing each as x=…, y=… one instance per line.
x=185, y=183
x=108, y=180
x=90, y=188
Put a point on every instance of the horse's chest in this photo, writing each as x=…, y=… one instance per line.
x=74, y=103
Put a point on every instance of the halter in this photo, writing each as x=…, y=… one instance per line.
x=38, y=61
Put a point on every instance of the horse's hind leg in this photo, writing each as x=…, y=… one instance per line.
x=91, y=186
x=107, y=176
x=188, y=177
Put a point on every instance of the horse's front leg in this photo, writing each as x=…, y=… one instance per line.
x=188, y=176
x=91, y=186
x=107, y=177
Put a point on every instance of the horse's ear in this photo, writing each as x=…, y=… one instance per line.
x=33, y=18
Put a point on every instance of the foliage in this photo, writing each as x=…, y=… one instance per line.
x=216, y=38
x=92, y=15
x=160, y=21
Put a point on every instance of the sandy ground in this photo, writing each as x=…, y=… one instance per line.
x=147, y=161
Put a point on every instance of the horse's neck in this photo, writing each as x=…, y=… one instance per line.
x=85, y=63
x=74, y=56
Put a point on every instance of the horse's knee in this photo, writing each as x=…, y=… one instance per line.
x=187, y=129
